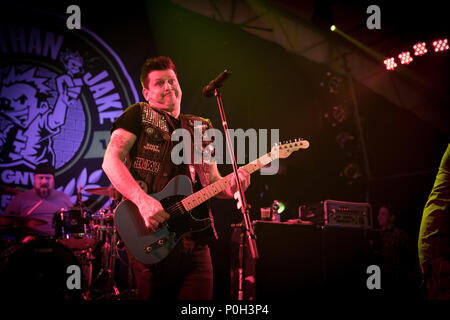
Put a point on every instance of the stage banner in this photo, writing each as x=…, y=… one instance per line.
x=60, y=90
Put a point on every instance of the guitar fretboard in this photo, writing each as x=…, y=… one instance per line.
x=217, y=187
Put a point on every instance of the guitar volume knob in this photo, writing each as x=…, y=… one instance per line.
x=148, y=249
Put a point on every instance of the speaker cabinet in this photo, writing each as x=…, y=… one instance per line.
x=297, y=260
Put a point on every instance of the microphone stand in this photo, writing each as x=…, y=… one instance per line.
x=246, y=226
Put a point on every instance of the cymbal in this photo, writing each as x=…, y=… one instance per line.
x=10, y=221
x=9, y=190
x=102, y=191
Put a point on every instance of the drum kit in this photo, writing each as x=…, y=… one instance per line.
x=83, y=238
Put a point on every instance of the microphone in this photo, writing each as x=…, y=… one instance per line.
x=208, y=90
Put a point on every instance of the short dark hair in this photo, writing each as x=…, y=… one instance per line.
x=156, y=63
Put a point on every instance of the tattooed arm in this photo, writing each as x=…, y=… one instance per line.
x=113, y=164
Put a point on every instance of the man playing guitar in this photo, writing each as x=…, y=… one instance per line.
x=141, y=136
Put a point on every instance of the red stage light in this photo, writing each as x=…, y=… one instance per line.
x=405, y=57
x=390, y=64
x=440, y=45
x=420, y=49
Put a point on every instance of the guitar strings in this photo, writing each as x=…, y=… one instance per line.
x=178, y=205
x=173, y=208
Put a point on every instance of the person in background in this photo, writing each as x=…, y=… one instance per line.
x=400, y=267
x=41, y=202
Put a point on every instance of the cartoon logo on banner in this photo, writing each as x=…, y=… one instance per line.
x=60, y=91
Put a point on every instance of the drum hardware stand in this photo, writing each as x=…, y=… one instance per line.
x=111, y=291
x=86, y=264
x=111, y=286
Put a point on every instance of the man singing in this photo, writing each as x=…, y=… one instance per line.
x=141, y=135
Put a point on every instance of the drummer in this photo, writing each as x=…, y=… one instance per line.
x=41, y=202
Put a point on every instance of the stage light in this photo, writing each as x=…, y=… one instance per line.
x=420, y=49
x=339, y=113
x=440, y=45
x=282, y=207
x=351, y=173
x=333, y=27
x=390, y=64
x=332, y=82
x=345, y=140
x=405, y=57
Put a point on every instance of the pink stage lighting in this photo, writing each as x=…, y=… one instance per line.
x=420, y=49
x=440, y=45
x=390, y=64
x=405, y=57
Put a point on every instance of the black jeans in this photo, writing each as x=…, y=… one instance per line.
x=186, y=274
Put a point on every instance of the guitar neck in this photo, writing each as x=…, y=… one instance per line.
x=217, y=187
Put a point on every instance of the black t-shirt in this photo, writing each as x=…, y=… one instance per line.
x=129, y=120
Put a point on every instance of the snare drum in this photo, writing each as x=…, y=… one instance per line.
x=38, y=270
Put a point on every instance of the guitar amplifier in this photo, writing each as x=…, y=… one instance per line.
x=338, y=213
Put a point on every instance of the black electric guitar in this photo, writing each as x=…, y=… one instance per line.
x=178, y=200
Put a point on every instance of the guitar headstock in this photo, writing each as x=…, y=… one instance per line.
x=285, y=149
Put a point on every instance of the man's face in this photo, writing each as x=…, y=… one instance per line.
x=43, y=184
x=384, y=218
x=163, y=91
